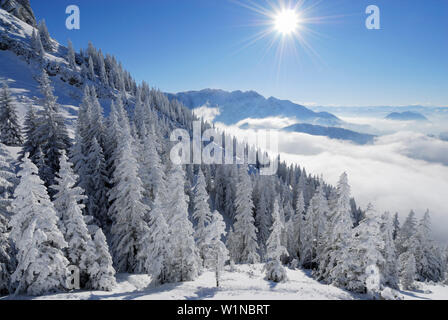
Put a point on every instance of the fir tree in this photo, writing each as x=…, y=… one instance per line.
x=45, y=36
x=71, y=220
x=365, y=253
x=127, y=211
x=10, y=130
x=408, y=270
x=53, y=135
x=36, y=44
x=183, y=260
x=201, y=214
x=156, y=249
x=296, y=225
x=71, y=56
x=390, y=274
x=8, y=180
x=7, y=259
x=217, y=255
x=243, y=238
x=99, y=263
x=42, y=267
x=32, y=143
x=335, y=258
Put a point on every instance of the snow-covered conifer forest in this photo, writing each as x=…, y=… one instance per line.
x=86, y=181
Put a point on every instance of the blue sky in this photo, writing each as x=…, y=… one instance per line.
x=180, y=45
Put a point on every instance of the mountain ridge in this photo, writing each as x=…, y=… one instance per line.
x=238, y=105
x=20, y=9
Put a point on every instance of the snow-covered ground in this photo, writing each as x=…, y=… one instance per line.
x=245, y=283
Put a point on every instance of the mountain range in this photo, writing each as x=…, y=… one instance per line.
x=238, y=105
x=406, y=116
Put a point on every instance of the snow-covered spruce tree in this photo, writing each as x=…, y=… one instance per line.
x=151, y=167
x=8, y=180
x=390, y=276
x=217, y=255
x=275, y=250
x=296, y=224
x=406, y=232
x=335, y=258
x=96, y=119
x=7, y=259
x=112, y=137
x=155, y=242
x=429, y=261
x=71, y=220
x=183, y=259
x=201, y=214
x=82, y=143
x=102, y=69
x=396, y=224
x=408, y=271
x=306, y=242
x=71, y=56
x=99, y=263
x=242, y=240
x=317, y=219
x=42, y=267
x=366, y=256
x=52, y=132
x=31, y=144
x=91, y=73
x=98, y=202
x=36, y=44
x=10, y=130
x=262, y=221
x=127, y=211
x=45, y=36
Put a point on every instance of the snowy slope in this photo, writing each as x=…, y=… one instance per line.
x=21, y=68
x=236, y=106
x=247, y=283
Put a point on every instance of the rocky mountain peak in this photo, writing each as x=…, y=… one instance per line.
x=19, y=8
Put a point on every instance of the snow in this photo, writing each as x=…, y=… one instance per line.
x=245, y=283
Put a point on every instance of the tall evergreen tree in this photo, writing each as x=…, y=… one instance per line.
x=127, y=211
x=334, y=260
x=71, y=56
x=45, y=36
x=98, y=263
x=217, y=255
x=67, y=202
x=366, y=254
x=296, y=227
x=10, y=130
x=7, y=259
x=275, y=250
x=32, y=143
x=183, y=260
x=201, y=214
x=156, y=243
x=98, y=202
x=243, y=238
x=42, y=267
x=36, y=44
x=390, y=274
x=8, y=180
x=52, y=132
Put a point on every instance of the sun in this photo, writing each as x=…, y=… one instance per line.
x=287, y=21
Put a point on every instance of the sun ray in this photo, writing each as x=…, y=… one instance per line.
x=287, y=25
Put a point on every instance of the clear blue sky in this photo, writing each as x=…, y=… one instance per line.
x=179, y=45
